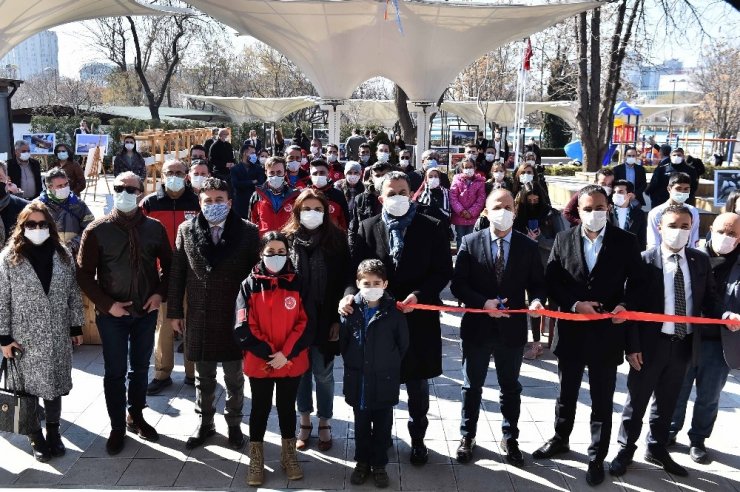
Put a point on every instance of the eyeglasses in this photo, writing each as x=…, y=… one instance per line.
x=177, y=174
x=131, y=190
x=32, y=224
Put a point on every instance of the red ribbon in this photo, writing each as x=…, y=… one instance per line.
x=624, y=315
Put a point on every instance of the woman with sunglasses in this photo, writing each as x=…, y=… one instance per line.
x=41, y=318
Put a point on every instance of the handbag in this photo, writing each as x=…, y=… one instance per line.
x=18, y=410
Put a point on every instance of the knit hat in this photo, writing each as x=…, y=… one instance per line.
x=352, y=166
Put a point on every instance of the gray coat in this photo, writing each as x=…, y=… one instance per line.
x=41, y=323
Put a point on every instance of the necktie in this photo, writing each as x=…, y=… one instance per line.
x=500, y=260
x=216, y=234
x=680, y=298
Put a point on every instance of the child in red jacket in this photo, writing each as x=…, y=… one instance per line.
x=271, y=329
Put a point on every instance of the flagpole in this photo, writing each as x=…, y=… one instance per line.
x=521, y=97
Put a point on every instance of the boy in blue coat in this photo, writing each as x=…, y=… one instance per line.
x=373, y=340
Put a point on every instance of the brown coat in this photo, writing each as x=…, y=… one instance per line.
x=210, y=275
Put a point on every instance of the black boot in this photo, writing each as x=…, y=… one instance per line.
x=39, y=446
x=54, y=440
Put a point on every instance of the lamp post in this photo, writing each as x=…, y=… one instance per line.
x=673, y=101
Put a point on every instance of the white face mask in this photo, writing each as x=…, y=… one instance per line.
x=129, y=146
x=263, y=160
x=396, y=205
x=631, y=160
x=352, y=178
x=275, y=263
x=364, y=158
x=197, y=181
x=332, y=158
x=62, y=193
x=319, y=181
x=37, y=236
x=679, y=197
x=619, y=199
x=676, y=159
x=124, y=201
x=593, y=221
x=530, y=163
x=404, y=162
x=501, y=219
x=675, y=238
x=174, y=183
x=25, y=156
x=722, y=244
x=383, y=156
x=526, y=178
x=314, y=150
x=371, y=294
x=293, y=166
x=433, y=182
x=498, y=176
x=468, y=172
x=608, y=190
x=311, y=219
x=62, y=156
x=490, y=157
x=276, y=182
x=304, y=161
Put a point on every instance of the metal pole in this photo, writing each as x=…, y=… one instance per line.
x=670, y=114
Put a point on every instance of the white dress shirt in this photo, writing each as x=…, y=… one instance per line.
x=591, y=248
x=653, y=234
x=669, y=271
x=622, y=213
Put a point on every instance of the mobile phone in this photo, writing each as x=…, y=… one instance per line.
x=533, y=224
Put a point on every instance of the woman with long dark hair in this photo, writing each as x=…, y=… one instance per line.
x=319, y=252
x=41, y=318
x=129, y=159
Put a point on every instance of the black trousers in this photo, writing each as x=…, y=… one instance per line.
x=372, y=435
x=53, y=410
x=661, y=375
x=286, y=390
x=602, y=379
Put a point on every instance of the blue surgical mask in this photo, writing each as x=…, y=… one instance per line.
x=253, y=158
x=174, y=183
x=215, y=213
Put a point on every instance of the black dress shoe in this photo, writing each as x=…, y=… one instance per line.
x=699, y=454
x=39, y=447
x=419, y=452
x=380, y=477
x=189, y=381
x=359, y=474
x=54, y=440
x=619, y=464
x=236, y=437
x=116, y=440
x=510, y=448
x=465, y=450
x=202, y=433
x=551, y=448
x=135, y=423
x=661, y=457
x=595, y=473
x=157, y=385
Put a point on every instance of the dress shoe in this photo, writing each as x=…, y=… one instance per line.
x=116, y=440
x=419, y=452
x=699, y=454
x=325, y=446
x=621, y=461
x=202, y=433
x=380, y=477
x=595, y=473
x=157, y=385
x=190, y=381
x=39, y=447
x=236, y=437
x=54, y=440
x=135, y=423
x=551, y=448
x=359, y=474
x=465, y=450
x=510, y=448
x=661, y=457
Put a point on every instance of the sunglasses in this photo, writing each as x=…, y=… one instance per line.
x=132, y=190
x=32, y=224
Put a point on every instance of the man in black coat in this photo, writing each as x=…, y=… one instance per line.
x=631, y=171
x=221, y=156
x=670, y=163
x=679, y=281
x=10, y=205
x=627, y=213
x=416, y=253
x=24, y=171
x=494, y=269
x=593, y=267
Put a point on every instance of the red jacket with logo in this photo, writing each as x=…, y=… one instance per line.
x=171, y=212
x=263, y=214
x=270, y=318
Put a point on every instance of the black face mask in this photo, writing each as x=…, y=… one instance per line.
x=3, y=191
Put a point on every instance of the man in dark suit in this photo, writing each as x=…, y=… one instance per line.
x=593, y=267
x=719, y=347
x=24, y=171
x=494, y=268
x=416, y=253
x=627, y=213
x=501, y=146
x=670, y=163
x=254, y=141
x=679, y=281
x=631, y=171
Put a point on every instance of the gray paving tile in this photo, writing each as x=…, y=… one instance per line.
x=537, y=479
x=151, y=473
x=475, y=477
x=217, y=474
x=655, y=479
x=321, y=475
x=96, y=472
x=274, y=477
x=428, y=477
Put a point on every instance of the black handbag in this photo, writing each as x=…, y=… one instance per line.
x=18, y=410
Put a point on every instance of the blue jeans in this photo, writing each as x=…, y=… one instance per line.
x=324, y=376
x=711, y=376
x=461, y=231
x=508, y=360
x=126, y=340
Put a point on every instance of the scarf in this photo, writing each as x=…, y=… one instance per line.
x=309, y=261
x=129, y=222
x=396, y=228
x=425, y=197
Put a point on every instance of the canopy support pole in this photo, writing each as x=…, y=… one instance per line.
x=422, y=110
x=334, y=109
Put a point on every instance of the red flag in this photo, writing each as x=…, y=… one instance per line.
x=528, y=55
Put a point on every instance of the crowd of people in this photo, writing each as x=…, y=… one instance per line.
x=273, y=265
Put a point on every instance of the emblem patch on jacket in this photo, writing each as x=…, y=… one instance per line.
x=241, y=315
x=290, y=302
x=288, y=208
x=331, y=208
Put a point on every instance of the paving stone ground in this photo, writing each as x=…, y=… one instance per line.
x=168, y=465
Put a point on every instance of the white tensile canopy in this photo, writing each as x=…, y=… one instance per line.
x=270, y=110
x=22, y=19
x=363, y=112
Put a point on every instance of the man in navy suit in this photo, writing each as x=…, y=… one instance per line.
x=633, y=172
x=495, y=267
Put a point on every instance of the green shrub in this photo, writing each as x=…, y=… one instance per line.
x=552, y=152
x=557, y=170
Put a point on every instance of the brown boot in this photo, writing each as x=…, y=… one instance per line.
x=256, y=473
x=289, y=460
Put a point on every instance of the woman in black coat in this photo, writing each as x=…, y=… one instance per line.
x=320, y=255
